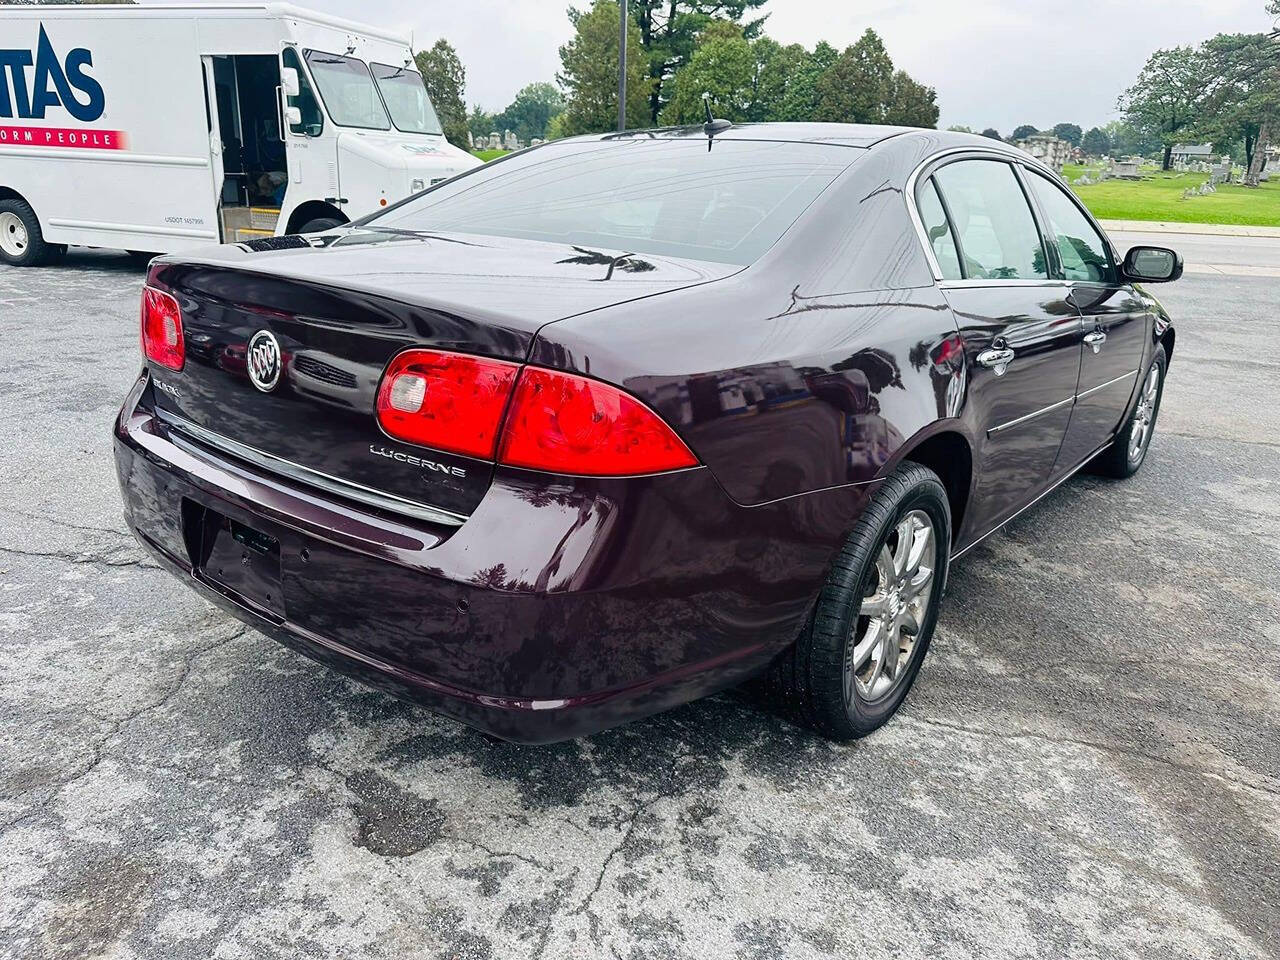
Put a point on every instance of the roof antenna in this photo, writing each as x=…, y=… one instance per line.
x=712, y=126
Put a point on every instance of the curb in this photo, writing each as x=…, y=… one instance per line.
x=1207, y=229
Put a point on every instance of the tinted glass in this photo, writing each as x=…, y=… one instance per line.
x=935, y=225
x=1082, y=250
x=348, y=91
x=666, y=197
x=406, y=98
x=998, y=235
x=312, y=119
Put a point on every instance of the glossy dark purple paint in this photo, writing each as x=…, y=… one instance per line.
x=563, y=605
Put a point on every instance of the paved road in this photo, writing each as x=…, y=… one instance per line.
x=1089, y=766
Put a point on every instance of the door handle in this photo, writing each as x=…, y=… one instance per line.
x=1096, y=339
x=997, y=360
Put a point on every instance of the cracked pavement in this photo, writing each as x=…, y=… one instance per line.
x=1088, y=767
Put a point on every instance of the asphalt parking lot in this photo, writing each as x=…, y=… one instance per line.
x=1089, y=766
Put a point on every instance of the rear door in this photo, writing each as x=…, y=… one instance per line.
x=1115, y=318
x=1021, y=334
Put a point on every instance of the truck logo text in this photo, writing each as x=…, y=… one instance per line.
x=53, y=83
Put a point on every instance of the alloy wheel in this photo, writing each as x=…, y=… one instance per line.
x=13, y=234
x=1144, y=415
x=895, y=604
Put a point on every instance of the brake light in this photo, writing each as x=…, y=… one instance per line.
x=162, y=341
x=449, y=401
x=562, y=423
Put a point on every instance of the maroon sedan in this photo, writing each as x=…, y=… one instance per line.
x=618, y=422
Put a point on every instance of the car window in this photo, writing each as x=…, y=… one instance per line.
x=934, y=218
x=657, y=196
x=998, y=236
x=1081, y=249
x=312, y=124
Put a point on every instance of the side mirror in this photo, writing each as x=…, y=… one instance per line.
x=1152, y=264
x=293, y=116
x=289, y=81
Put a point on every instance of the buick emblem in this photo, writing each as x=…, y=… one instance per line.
x=264, y=360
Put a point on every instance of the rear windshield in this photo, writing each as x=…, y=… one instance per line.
x=662, y=197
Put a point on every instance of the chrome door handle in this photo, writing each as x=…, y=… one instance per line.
x=997, y=360
x=1096, y=339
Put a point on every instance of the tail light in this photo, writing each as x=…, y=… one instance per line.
x=449, y=401
x=162, y=341
x=557, y=422
x=563, y=423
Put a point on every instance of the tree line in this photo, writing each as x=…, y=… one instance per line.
x=676, y=51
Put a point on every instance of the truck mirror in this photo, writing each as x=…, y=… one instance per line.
x=289, y=81
x=293, y=116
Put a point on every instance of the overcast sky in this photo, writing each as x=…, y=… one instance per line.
x=994, y=63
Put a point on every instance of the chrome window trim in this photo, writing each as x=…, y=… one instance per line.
x=1030, y=416
x=950, y=155
x=306, y=475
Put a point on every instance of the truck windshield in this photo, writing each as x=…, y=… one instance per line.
x=347, y=91
x=406, y=97
x=669, y=197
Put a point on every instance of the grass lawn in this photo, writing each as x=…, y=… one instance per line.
x=1160, y=198
x=487, y=155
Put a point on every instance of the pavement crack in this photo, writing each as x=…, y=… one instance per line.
x=1115, y=749
x=81, y=558
x=532, y=861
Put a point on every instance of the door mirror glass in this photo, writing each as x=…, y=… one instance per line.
x=289, y=81
x=1152, y=264
x=292, y=116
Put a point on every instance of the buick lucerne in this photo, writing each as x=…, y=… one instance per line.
x=617, y=422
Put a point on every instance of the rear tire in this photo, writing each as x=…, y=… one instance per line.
x=873, y=613
x=1128, y=451
x=319, y=225
x=21, y=240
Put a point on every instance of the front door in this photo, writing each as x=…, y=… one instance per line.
x=312, y=148
x=1020, y=331
x=1117, y=323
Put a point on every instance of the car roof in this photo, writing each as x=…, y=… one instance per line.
x=860, y=135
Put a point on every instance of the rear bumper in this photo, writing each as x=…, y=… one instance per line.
x=561, y=607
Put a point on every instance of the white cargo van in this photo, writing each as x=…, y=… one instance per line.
x=157, y=128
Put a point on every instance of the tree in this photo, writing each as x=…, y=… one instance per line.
x=959, y=128
x=778, y=70
x=992, y=133
x=911, y=104
x=724, y=66
x=481, y=123
x=1168, y=96
x=1022, y=132
x=861, y=86
x=531, y=111
x=800, y=102
x=1069, y=132
x=590, y=72
x=1126, y=139
x=1096, y=143
x=669, y=32
x=446, y=81
x=1244, y=108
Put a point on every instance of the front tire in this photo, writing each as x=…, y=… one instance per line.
x=1128, y=451
x=319, y=225
x=860, y=652
x=21, y=240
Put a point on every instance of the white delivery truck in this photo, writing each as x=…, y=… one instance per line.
x=160, y=127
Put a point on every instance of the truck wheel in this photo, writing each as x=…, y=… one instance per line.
x=319, y=225
x=21, y=242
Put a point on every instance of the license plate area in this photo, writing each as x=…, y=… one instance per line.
x=236, y=559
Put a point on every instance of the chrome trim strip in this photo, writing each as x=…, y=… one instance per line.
x=1031, y=416
x=1109, y=383
x=314, y=478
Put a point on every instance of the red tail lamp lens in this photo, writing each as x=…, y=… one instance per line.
x=445, y=400
x=162, y=329
x=563, y=423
